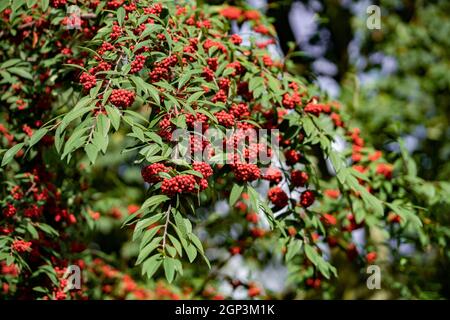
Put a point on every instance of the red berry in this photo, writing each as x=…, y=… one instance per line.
x=371, y=257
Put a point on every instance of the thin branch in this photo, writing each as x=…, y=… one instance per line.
x=166, y=226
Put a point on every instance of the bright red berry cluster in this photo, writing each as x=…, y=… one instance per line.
x=299, y=178
x=278, y=197
x=150, y=172
x=272, y=174
x=137, y=64
x=307, y=198
x=116, y=32
x=240, y=110
x=236, y=39
x=87, y=80
x=179, y=184
x=204, y=168
x=224, y=118
x=246, y=171
x=161, y=69
x=292, y=156
x=9, y=211
x=290, y=101
x=20, y=246
x=122, y=98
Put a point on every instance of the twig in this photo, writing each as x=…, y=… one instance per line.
x=166, y=226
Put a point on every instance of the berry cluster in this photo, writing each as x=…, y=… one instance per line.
x=224, y=83
x=220, y=96
x=385, y=169
x=179, y=184
x=192, y=119
x=246, y=171
x=9, y=211
x=307, y=198
x=278, y=197
x=116, y=32
x=58, y=3
x=238, y=68
x=161, y=69
x=106, y=46
x=316, y=108
x=272, y=174
x=122, y=98
x=290, y=101
x=208, y=74
x=236, y=39
x=213, y=63
x=151, y=172
x=299, y=178
x=204, y=168
x=20, y=246
x=87, y=80
x=240, y=110
x=137, y=64
x=224, y=118
x=328, y=219
x=292, y=156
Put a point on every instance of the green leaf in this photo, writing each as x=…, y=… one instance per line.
x=169, y=268
x=113, y=115
x=92, y=152
x=80, y=109
x=4, y=5
x=45, y=4
x=48, y=229
x=11, y=62
x=311, y=254
x=196, y=241
x=195, y=96
x=151, y=265
x=9, y=155
x=37, y=136
x=142, y=224
x=191, y=252
x=176, y=244
x=154, y=200
x=120, y=15
x=293, y=249
x=235, y=193
x=21, y=73
x=148, y=236
x=145, y=252
x=32, y=230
